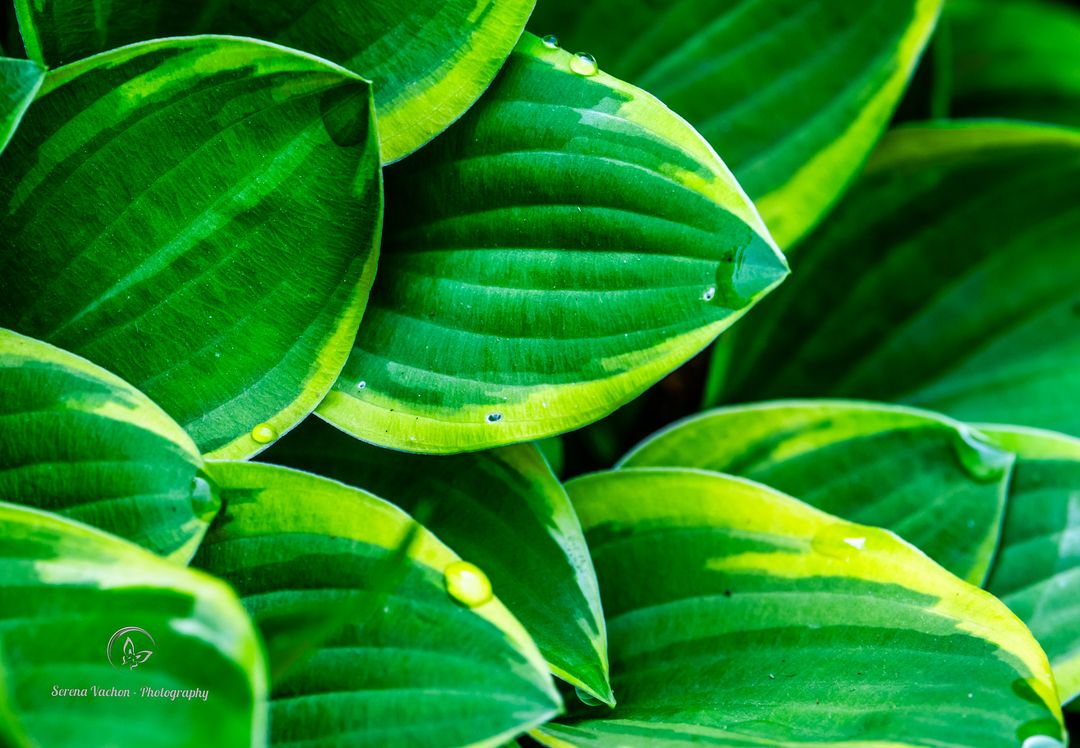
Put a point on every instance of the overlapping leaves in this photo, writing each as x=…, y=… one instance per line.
x=429, y=59
x=78, y=441
x=739, y=616
x=193, y=272
x=557, y=251
x=792, y=93
x=948, y=280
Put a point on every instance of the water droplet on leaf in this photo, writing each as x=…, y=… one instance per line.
x=980, y=459
x=1041, y=741
x=203, y=502
x=551, y=41
x=467, y=584
x=361, y=385
x=587, y=698
x=263, y=433
x=584, y=64
x=710, y=293
x=494, y=417
x=747, y=272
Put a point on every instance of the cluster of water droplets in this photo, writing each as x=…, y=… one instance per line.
x=583, y=64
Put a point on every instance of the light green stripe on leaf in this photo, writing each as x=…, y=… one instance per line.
x=739, y=616
x=948, y=280
x=78, y=441
x=792, y=93
x=201, y=216
x=19, y=82
x=503, y=510
x=1037, y=570
x=429, y=60
x=561, y=248
x=935, y=482
x=67, y=591
x=423, y=670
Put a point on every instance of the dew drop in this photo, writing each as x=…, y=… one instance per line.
x=980, y=459
x=840, y=540
x=263, y=433
x=710, y=293
x=551, y=41
x=587, y=698
x=494, y=417
x=1041, y=741
x=361, y=385
x=747, y=272
x=467, y=584
x=584, y=64
x=203, y=502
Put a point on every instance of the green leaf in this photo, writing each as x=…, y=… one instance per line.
x=19, y=82
x=554, y=452
x=503, y=510
x=199, y=215
x=69, y=598
x=564, y=246
x=1037, y=570
x=739, y=616
x=1016, y=58
x=76, y=440
x=948, y=280
x=934, y=482
x=424, y=671
x=793, y=94
x=429, y=59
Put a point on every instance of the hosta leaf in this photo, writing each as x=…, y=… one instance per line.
x=935, y=482
x=1015, y=58
x=792, y=93
x=200, y=216
x=429, y=59
x=739, y=616
x=1037, y=570
x=557, y=251
x=78, y=441
x=948, y=280
x=70, y=596
x=503, y=510
x=19, y=81
x=426, y=670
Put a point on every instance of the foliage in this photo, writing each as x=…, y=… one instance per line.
x=427, y=266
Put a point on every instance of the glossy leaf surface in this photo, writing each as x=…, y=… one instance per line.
x=565, y=245
x=934, y=482
x=199, y=215
x=80, y=609
x=1037, y=570
x=424, y=670
x=503, y=510
x=948, y=280
x=429, y=59
x=19, y=81
x=738, y=616
x=78, y=441
x=792, y=93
